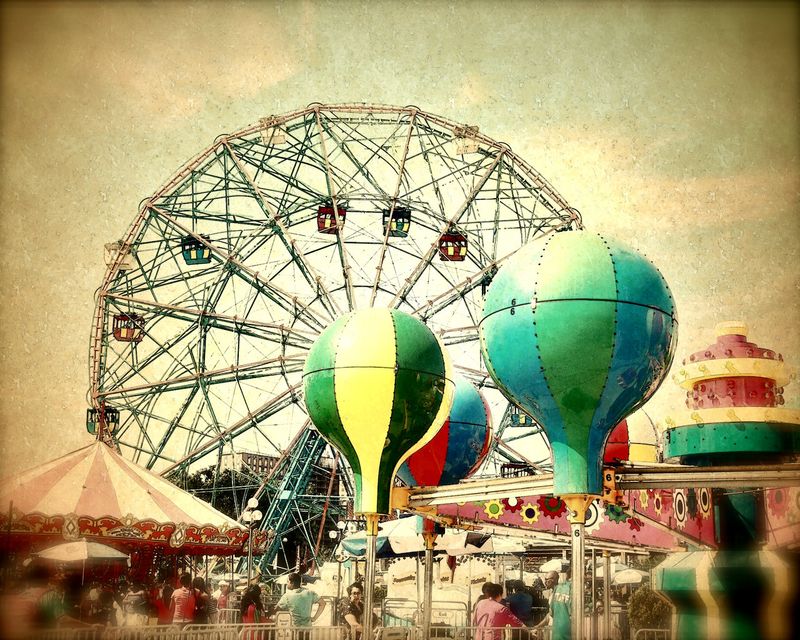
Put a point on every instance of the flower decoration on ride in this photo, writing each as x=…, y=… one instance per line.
x=551, y=506
x=512, y=504
x=778, y=501
x=658, y=504
x=635, y=524
x=530, y=513
x=644, y=498
x=494, y=509
x=616, y=513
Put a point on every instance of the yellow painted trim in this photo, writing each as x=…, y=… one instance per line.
x=690, y=374
x=578, y=505
x=783, y=415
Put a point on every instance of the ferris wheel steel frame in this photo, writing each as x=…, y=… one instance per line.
x=218, y=345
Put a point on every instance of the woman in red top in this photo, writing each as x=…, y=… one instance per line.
x=201, y=601
x=252, y=611
x=251, y=607
x=162, y=604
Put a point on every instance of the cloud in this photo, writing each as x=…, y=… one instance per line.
x=169, y=62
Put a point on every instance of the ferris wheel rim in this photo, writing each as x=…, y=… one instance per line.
x=149, y=205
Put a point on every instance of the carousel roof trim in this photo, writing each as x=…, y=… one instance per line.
x=94, y=491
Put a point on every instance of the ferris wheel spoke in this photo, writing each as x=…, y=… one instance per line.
x=333, y=192
x=285, y=300
x=138, y=416
x=425, y=262
x=158, y=351
x=274, y=405
x=225, y=437
x=400, y=173
x=150, y=271
x=503, y=448
x=479, y=377
x=453, y=175
x=359, y=166
x=295, y=155
x=295, y=253
x=170, y=430
x=210, y=434
x=270, y=331
x=459, y=335
x=272, y=367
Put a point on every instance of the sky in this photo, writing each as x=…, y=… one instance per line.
x=671, y=126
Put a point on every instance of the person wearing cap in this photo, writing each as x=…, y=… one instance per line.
x=221, y=596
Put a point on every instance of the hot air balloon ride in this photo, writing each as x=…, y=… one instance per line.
x=377, y=386
x=460, y=445
x=635, y=439
x=579, y=331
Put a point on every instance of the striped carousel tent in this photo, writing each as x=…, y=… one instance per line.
x=95, y=493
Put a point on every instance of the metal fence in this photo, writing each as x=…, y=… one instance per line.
x=401, y=621
x=278, y=630
x=652, y=634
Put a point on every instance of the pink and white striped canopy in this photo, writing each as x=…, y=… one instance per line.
x=96, y=492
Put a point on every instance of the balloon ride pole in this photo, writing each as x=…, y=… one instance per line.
x=369, y=573
x=577, y=505
x=430, y=539
x=366, y=393
x=606, y=590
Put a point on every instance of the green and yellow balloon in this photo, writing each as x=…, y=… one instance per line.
x=377, y=386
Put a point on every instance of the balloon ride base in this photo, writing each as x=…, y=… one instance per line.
x=729, y=595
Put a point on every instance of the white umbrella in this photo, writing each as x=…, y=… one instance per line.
x=81, y=551
x=556, y=564
x=616, y=567
x=630, y=576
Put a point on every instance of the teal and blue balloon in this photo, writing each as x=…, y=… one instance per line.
x=579, y=331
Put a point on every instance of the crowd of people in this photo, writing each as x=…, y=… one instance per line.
x=45, y=600
x=524, y=609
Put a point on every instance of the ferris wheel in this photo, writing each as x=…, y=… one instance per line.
x=228, y=272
